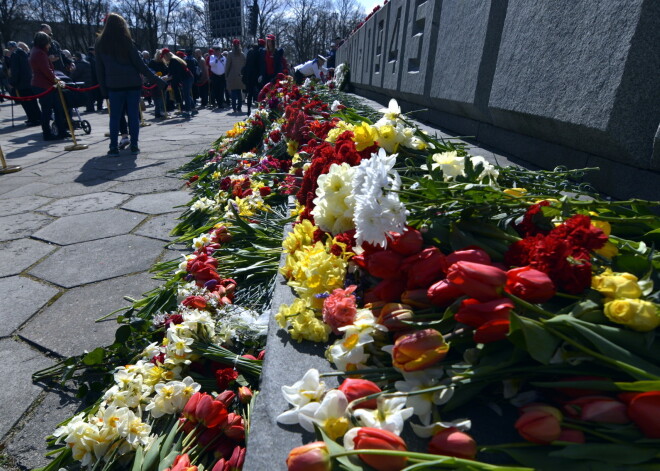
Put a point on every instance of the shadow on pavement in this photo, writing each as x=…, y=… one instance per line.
x=118, y=166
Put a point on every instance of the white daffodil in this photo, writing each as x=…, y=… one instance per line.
x=201, y=241
x=489, y=171
x=421, y=380
x=392, y=112
x=335, y=106
x=427, y=431
x=330, y=415
x=308, y=389
x=390, y=415
x=180, y=346
x=449, y=162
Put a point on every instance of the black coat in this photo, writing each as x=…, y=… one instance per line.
x=21, y=74
x=251, y=69
x=83, y=73
x=91, y=58
x=278, y=59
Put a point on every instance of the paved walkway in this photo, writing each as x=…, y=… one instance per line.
x=78, y=232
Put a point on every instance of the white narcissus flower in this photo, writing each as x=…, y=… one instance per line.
x=335, y=106
x=489, y=169
x=308, y=390
x=390, y=415
x=449, y=162
x=330, y=415
x=179, y=346
x=420, y=380
x=171, y=397
x=393, y=110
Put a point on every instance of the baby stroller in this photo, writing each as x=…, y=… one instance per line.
x=73, y=100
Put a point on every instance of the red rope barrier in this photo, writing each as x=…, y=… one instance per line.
x=201, y=84
x=150, y=88
x=94, y=87
x=27, y=98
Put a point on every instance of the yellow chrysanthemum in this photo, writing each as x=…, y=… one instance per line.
x=238, y=129
x=302, y=322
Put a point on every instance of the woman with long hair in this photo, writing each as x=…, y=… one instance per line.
x=235, y=64
x=180, y=76
x=118, y=67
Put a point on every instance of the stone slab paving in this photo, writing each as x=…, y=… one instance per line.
x=17, y=255
x=89, y=226
x=21, y=299
x=52, y=292
x=88, y=262
x=17, y=363
x=18, y=226
x=158, y=203
x=56, y=327
x=84, y=204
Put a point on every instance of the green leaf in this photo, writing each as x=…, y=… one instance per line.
x=540, y=343
x=123, y=334
x=344, y=462
x=610, y=453
x=635, y=264
x=168, y=460
x=138, y=460
x=95, y=357
x=639, y=386
x=652, y=236
x=540, y=458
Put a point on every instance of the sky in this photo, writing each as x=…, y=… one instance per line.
x=368, y=5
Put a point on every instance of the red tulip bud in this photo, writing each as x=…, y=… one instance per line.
x=443, y=293
x=369, y=438
x=467, y=255
x=424, y=269
x=354, y=388
x=571, y=435
x=386, y=290
x=244, y=394
x=644, y=411
x=476, y=314
x=384, y=264
x=416, y=297
x=195, y=302
x=529, y=284
x=492, y=331
x=453, y=442
x=483, y=282
x=539, y=423
x=600, y=409
x=311, y=457
x=391, y=316
x=419, y=350
x=408, y=243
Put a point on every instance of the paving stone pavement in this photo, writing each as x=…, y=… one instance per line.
x=78, y=232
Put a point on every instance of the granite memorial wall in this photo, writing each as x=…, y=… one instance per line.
x=566, y=82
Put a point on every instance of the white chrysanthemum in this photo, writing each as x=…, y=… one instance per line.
x=333, y=205
x=390, y=415
x=449, y=162
x=377, y=208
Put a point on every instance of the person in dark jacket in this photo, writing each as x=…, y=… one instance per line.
x=251, y=72
x=180, y=79
x=83, y=72
x=60, y=61
x=118, y=68
x=20, y=79
x=272, y=61
x=160, y=68
x=94, y=96
x=43, y=79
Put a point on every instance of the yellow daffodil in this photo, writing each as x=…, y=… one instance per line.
x=364, y=135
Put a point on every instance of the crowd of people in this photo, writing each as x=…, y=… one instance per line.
x=116, y=73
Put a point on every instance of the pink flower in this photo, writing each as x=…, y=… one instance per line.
x=339, y=308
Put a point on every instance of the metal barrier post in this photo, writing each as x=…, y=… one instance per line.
x=7, y=168
x=75, y=145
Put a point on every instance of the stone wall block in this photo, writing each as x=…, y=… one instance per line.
x=581, y=74
x=396, y=25
x=419, y=45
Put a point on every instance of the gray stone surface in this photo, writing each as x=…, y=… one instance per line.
x=29, y=446
x=585, y=77
x=18, y=226
x=148, y=185
x=58, y=327
x=89, y=226
x=269, y=442
x=469, y=33
x=21, y=299
x=396, y=25
x=64, y=190
x=158, y=203
x=158, y=227
x=17, y=363
x=84, y=203
x=79, y=264
x=26, y=190
x=21, y=205
x=17, y=255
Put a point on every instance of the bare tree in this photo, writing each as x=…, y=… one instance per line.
x=13, y=14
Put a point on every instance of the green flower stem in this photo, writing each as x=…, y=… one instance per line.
x=438, y=460
x=575, y=426
x=529, y=306
x=633, y=370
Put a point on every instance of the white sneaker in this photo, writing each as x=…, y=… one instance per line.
x=123, y=144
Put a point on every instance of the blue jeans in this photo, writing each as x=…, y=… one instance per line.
x=118, y=100
x=236, y=100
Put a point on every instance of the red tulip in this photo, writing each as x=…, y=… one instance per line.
x=408, y=243
x=195, y=302
x=600, y=409
x=244, y=394
x=467, y=255
x=191, y=407
x=233, y=426
x=416, y=297
x=311, y=457
x=226, y=397
x=529, y=284
x=453, y=442
x=387, y=291
x=644, y=411
x=476, y=314
x=539, y=423
x=182, y=463
x=391, y=316
x=492, y=331
x=354, y=388
x=210, y=412
x=424, y=268
x=384, y=264
x=419, y=350
x=572, y=436
x=443, y=293
x=483, y=282
x=369, y=438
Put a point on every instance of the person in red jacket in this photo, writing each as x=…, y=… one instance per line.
x=44, y=78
